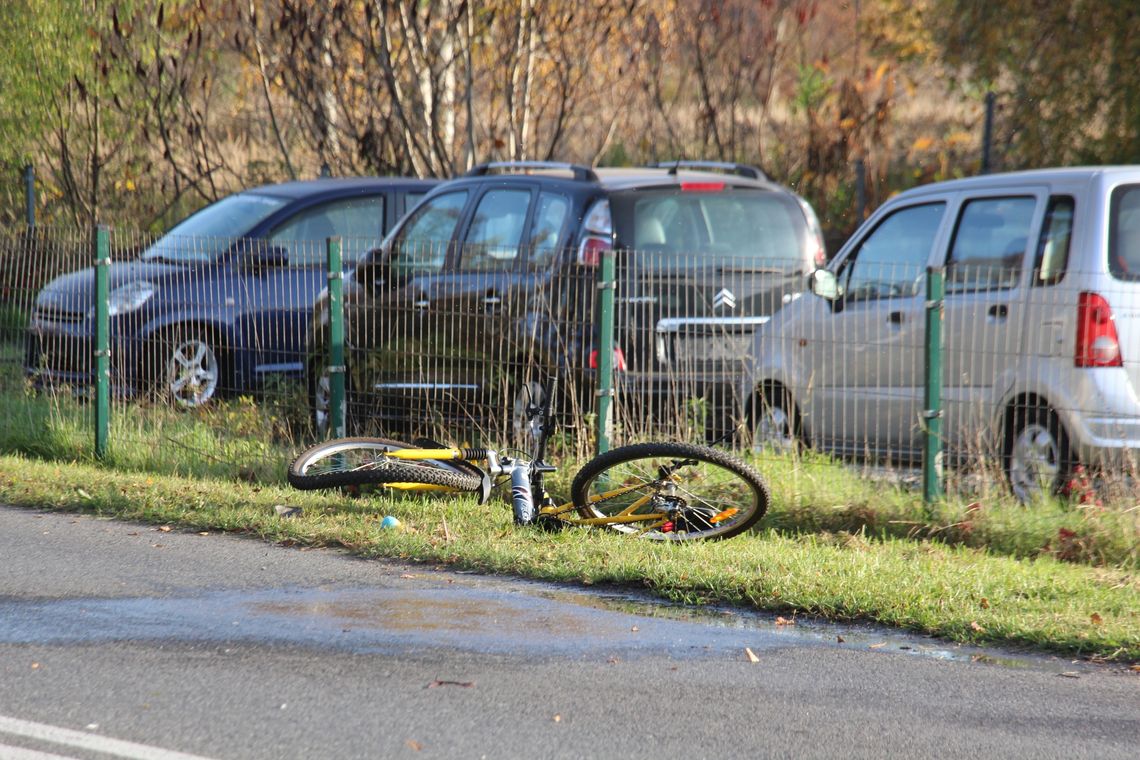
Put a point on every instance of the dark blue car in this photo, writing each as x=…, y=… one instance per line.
x=223, y=300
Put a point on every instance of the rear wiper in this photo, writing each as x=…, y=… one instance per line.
x=757, y=270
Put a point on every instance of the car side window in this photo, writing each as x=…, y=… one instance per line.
x=423, y=242
x=989, y=244
x=546, y=231
x=1124, y=233
x=1053, y=248
x=492, y=242
x=891, y=260
x=358, y=221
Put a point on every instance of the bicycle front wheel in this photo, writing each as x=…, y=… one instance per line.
x=670, y=492
x=363, y=461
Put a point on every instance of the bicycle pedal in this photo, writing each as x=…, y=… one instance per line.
x=549, y=523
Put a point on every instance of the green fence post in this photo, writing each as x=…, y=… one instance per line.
x=605, y=391
x=932, y=413
x=336, y=339
x=102, y=357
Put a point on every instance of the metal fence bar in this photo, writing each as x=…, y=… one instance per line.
x=30, y=195
x=605, y=392
x=336, y=339
x=932, y=446
x=102, y=357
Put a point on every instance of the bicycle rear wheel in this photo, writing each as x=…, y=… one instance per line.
x=362, y=461
x=670, y=492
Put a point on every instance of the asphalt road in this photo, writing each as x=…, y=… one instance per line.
x=123, y=640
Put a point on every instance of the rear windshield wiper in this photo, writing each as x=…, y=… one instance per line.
x=758, y=270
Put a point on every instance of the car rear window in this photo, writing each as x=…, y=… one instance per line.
x=731, y=227
x=1124, y=233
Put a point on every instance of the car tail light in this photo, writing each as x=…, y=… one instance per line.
x=702, y=187
x=590, y=252
x=819, y=257
x=1097, y=342
x=619, y=359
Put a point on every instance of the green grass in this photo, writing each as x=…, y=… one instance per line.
x=1059, y=576
x=957, y=592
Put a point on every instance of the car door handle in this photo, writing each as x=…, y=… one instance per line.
x=492, y=303
x=895, y=317
x=421, y=303
x=998, y=311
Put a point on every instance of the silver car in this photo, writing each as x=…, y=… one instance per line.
x=1041, y=329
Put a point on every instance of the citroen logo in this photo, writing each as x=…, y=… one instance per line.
x=724, y=299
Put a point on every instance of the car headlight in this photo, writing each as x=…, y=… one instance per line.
x=130, y=297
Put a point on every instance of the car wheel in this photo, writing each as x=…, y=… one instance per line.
x=1037, y=454
x=320, y=397
x=191, y=370
x=775, y=421
x=524, y=427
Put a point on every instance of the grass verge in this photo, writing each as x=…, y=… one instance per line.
x=958, y=592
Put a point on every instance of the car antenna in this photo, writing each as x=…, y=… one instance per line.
x=673, y=169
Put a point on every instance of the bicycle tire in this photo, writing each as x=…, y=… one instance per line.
x=716, y=495
x=359, y=461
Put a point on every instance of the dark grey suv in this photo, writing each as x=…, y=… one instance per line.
x=487, y=289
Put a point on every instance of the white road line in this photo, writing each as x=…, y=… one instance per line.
x=82, y=740
x=19, y=753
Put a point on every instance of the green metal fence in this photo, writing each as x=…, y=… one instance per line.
x=915, y=384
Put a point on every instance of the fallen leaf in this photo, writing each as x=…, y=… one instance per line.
x=413, y=745
x=204, y=533
x=635, y=629
x=1069, y=674
x=35, y=666
x=164, y=528
x=613, y=661
x=784, y=621
x=464, y=684
x=878, y=646
x=83, y=494
x=286, y=511
x=974, y=625
x=557, y=718
x=1135, y=668
x=1096, y=619
x=840, y=639
x=985, y=603
x=751, y=655
x=407, y=575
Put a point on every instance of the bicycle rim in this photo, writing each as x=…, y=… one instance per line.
x=363, y=461
x=670, y=492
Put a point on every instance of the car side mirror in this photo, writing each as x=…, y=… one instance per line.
x=374, y=269
x=257, y=255
x=826, y=285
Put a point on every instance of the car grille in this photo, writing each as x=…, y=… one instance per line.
x=58, y=316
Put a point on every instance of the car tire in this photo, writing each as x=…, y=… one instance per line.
x=319, y=397
x=525, y=392
x=189, y=368
x=1038, y=458
x=775, y=421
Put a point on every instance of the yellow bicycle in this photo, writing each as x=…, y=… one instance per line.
x=664, y=491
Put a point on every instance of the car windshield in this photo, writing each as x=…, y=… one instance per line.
x=726, y=228
x=205, y=234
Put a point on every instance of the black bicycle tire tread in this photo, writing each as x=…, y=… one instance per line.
x=424, y=473
x=605, y=461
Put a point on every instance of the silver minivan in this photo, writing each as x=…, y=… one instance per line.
x=1041, y=329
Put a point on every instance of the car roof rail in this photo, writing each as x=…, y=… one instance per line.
x=579, y=172
x=740, y=170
